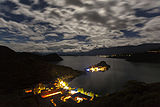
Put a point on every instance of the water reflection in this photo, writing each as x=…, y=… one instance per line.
x=120, y=72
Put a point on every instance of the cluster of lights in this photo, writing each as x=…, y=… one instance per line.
x=64, y=87
x=96, y=69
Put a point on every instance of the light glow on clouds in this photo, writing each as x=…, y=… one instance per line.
x=53, y=25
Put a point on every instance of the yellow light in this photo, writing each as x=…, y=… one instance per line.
x=53, y=102
x=28, y=91
x=73, y=92
x=65, y=98
x=79, y=99
x=67, y=88
x=52, y=94
x=59, y=83
x=92, y=99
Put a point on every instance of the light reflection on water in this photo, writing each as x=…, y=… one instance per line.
x=120, y=72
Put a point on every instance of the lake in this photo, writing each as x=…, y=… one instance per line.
x=113, y=79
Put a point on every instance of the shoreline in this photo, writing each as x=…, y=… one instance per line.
x=13, y=96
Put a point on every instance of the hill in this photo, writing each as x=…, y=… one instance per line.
x=118, y=50
x=20, y=69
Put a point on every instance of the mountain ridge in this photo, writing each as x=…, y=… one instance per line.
x=118, y=50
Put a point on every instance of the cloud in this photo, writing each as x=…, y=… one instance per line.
x=77, y=25
x=34, y=38
x=151, y=30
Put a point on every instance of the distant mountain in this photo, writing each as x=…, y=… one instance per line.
x=17, y=68
x=21, y=69
x=45, y=57
x=149, y=56
x=123, y=49
x=7, y=53
x=119, y=50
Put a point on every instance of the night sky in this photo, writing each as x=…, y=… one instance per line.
x=77, y=25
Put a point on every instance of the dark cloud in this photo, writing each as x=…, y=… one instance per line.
x=145, y=13
x=54, y=14
x=44, y=24
x=75, y=2
x=57, y=38
x=80, y=38
x=109, y=18
x=61, y=48
x=51, y=38
x=15, y=17
x=7, y=37
x=42, y=4
x=4, y=28
x=139, y=25
x=130, y=34
x=91, y=16
x=8, y=6
x=27, y=2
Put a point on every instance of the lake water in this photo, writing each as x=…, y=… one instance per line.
x=113, y=79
